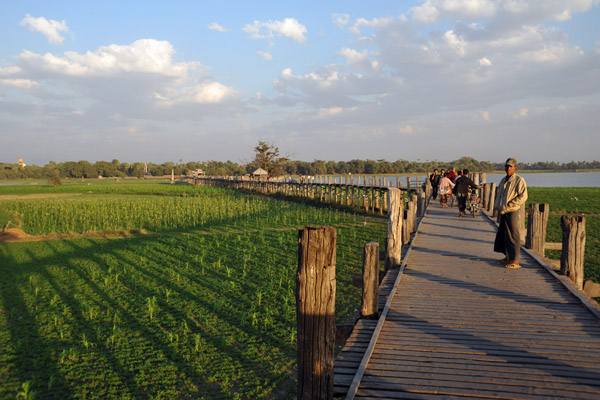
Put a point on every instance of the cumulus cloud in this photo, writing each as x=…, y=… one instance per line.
x=352, y=55
x=50, y=29
x=19, y=83
x=341, y=20
x=216, y=27
x=145, y=55
x=457, y=44
x=121, y=79
x=534, y=11
x=485, y=62
x=289, y=28
x=206, y=93
x=358, y=60
x=432, y=10
x=266, y=55
x=372, y=23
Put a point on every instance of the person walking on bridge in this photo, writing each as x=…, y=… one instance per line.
x=434, y=179
x=445, y=190
x=512, y=194
x=461, y=188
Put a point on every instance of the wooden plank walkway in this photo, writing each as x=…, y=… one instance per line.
x=461, y=325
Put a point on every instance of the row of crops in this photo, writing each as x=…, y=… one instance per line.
x=161, y=208
x=204, y=309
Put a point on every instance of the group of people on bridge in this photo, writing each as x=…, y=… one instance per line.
x=512, y=194
x=450, y=185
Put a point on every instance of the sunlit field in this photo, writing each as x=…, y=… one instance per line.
x=201, y=305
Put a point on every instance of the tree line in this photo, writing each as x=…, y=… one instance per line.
x=114, y=168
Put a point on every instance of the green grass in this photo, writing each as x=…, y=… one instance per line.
x=179, y=314
x=575, y=201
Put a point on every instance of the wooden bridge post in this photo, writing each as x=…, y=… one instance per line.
x=491, y=197
x=406, y=223
x=573, y=248
x=393, y=255
x=483, y=177
x=413, y=213
x=366, y=195
x=422, y=203
x=370, y=293
x=484, y=195
x=373, y=196
x=428, y=188
x=348, y=188
x=315, y=301
x=537, y=223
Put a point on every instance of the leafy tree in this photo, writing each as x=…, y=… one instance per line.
x=266, y=156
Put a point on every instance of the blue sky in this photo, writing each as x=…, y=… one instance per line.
x=418, y=80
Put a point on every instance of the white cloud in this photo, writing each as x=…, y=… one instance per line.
x=352, y=55
x=432, y=11
x=358, y=60
x=266, y=55
x=551, y=53
x=456, y=43
x=327, y=112
x=10, y=70
x=205, y=93
x=372, y=23
x=50, y=29
x=485, y=62
x=20, y=83
x=324, y=78
x=341, y=20
x=534, y=11
x=213, y=92
x=289, y=28
x=216, y=27
x=145, y=55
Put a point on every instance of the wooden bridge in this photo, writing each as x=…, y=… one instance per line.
x=457, y=324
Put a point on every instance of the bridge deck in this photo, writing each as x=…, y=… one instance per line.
x=461, y=325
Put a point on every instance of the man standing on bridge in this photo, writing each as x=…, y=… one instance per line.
x=512, y=194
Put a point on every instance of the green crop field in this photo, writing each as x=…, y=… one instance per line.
x=200, y=306
x=203, y=306
x=575, y=201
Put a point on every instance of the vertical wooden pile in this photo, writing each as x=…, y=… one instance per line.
x=370, y=294
x=393, y=256
x=315, y=301
x=573, y=248
x=537, y=223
